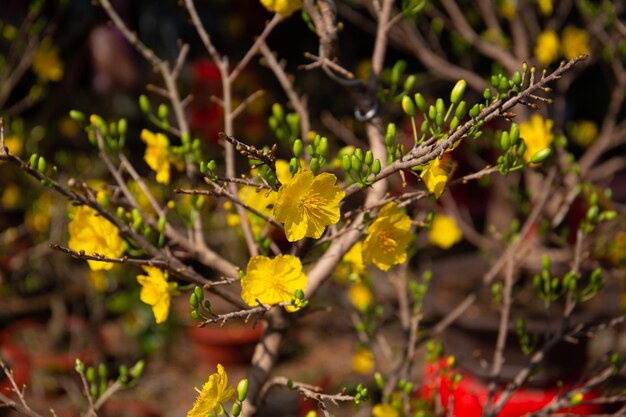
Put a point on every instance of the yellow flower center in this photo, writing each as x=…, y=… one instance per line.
x=387, y=241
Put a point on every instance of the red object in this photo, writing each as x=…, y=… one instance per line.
x=205, y=115
x=227, y=344
x=15, y=360
x=471, y=393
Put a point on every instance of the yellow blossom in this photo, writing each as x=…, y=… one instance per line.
x=384, y=410
x=545, y=7
x=387, y=238
x=360, y=296
x=92, y=233
x=14, y=144
x=351, y=266
x=583, y=132
x=284, y=8
x=508, y=9
x=574, y=42
x=214, y=393
x=155, y=291
x=547, y=48
x=272, y=281
x=306, y=204
x=46, y=62
x=537, y=135
x=435, y=175
x=157, y=154
x=10, y=197
x=363, y=361
x=444, y=232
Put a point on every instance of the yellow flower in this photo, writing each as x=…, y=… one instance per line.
x=387, y=238
x=157, y=154
x=272, y=281
x=547, y=48
x=155, y=291
x=93, y=233
x=444, y=232
x=214, y=392
x=10, y=197
x=384, y=410
x=284, y=8
x=14, y=144
x=363, y=361
x=435, y=175
x=351, y=266
x=545, y=6
x=508, y=9
x=360, y=296
x=306, y=204
x=583, y=132
x=574, y=42
x=46, y=62
x=537, y=135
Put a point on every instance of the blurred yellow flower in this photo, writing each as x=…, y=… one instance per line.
x=46, y=62
x=92, y=233
x=387, y=238
x=214, y=393
x=435, y=175
x=547, y=48
x=574, y=42
x=38, y=217
x=284, y=8
x=360, y=296
x=14, y=144
x=537, y=135
x=508, y=9
x=444, y=232
x=351, y=266
x=545, y=7
x=363, y=361
x=156, y=292
x=583, y=132
x=306, y=204
x=384, y=410
x=272, y=281
x=157, y=154
x=10, y=197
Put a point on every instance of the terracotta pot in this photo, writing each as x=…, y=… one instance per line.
x=232, y=343
x=15, y=360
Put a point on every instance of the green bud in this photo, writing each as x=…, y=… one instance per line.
x=517, y=78
x=487, y=93
x=78, y=116
x=242, y=390
x=356, y=163
x=122, y=126
x=314, y=165
x=163, y=111
x=369, y=158
x=211, y=165
x=425, y=125
x=102, y=371
x=378, y=379
x=79, y=366
x=505, y=141
x=137, y=370
x=193, y=301
x=376, y=167
x=440, y=107
x=608, y=215
x=236, y=409
x=161, y=224
x=316, y=141
x=359, y=153
x=199, y=293
x=458, y=91
x=41, y=165
x=322, y=148
x=90, y=374
x=592, y=213
x=439, y=119
x=298, y=148
x=474, y=111
x=195, y=314
x=33, y=160
x=409, y=83
x=397, y=71
x=293, y=165
x=545, y=262
x=454, y=123
x=541, y=156
x=514, y=133
x=408, y=106
x=495, y=80
x=144, y=104
x=273, y=122
x=593, y=198
x=390, y=136
x=293, y=121
x=432, y=112
x=277, y=111
x=203, y=168
x=503, y=85
x=345, y=161
x=461, y=109
x=521, y=148
x=420, y=102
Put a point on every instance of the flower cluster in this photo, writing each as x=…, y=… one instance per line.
x=213, y=394
x=537, y=135
x=574, y=42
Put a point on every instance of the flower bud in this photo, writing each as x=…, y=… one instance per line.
x=79, y=366
x=161, y=224
x=211, y=165
x=432, y=112
x=458, y=91
x=517, y=78
x=425, y=125
x=90, y=374
x=390, y=136
x=541, y=156
x=144, y=104
x=193, y=301
x=420, y=102
x=242, y=390
x=514, y=133
x=122, y=126
x=460, y=110
x=454, y=123
x=356, y=163
x=409, y=83
x=505, y=141
x=41, y=165
x=376, y=167
x=277, y=111
x=378, y=379
x=369, y=158
x=78, y=116
x=474, y=111
x=322, y=147
x=298, y=148
x=314, y=165
x=345, y=162
x=293, y=165
x=199, y=293
x=163, y=111
x=137, y=370
x=408, y=106
x=236, y=410
x=545, y=262
x=440, y=107
x=396, y=71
